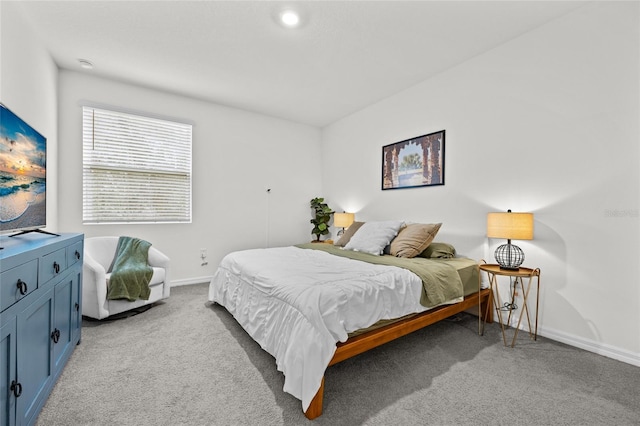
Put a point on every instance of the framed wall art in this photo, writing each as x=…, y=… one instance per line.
x=414, y=162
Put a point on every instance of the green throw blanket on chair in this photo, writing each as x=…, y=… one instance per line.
x=130, y=272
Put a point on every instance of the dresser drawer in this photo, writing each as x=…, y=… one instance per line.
x=52, y=264
x=74, y=253
x=17, y=282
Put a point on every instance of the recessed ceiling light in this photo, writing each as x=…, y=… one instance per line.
x=85, y=64
x=290, y=18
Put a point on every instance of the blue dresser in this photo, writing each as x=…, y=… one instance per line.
x=41, y=319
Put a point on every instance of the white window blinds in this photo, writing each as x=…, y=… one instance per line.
x=135, y=169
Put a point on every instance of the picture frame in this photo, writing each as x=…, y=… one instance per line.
x=414, y=162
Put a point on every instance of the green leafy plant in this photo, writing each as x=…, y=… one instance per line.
x=322, y=217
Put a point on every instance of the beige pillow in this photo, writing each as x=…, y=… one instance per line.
x=413, y=239
x=348, y=233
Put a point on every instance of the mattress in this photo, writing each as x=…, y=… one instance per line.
x=469, y=275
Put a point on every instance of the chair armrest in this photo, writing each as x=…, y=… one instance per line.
x=94, y=288
x=158, y=259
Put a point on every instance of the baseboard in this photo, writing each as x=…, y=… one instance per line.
x=592, y=346
x=191, y=281
x=579, y=342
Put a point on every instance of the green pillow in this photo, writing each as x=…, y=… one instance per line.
x=437, y=250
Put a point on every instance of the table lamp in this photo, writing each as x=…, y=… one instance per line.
x=512, y=226
x=343, y=220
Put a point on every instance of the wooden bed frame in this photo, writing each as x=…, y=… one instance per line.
x=363, y=342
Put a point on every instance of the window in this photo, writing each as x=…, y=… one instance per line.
x=135, y=169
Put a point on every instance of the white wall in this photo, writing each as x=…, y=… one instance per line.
x=237, y=155
x=547, y=123
x=28, y=87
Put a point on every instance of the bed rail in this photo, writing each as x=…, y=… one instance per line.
x=363, y=342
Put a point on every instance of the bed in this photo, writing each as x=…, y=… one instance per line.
x=313, y=305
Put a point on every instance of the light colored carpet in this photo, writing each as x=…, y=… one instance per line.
x=186, y=362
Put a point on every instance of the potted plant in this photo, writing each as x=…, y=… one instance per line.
x=322, y=218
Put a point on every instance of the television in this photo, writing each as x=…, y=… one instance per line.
x=23, y=175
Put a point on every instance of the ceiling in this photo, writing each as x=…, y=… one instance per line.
x=346, y=55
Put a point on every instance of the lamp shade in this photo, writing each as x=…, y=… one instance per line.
x=343, y=220
x=510, y=226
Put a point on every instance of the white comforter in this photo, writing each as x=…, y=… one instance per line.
x=298, y=303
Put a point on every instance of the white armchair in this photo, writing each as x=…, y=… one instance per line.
x=98, y=256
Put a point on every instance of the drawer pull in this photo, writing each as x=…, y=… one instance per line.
x=22, y=287
x=55, y=335
x=56, y=267
x=77, y=255
x=16, y=388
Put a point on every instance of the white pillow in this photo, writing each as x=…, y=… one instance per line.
x=373, y=237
